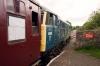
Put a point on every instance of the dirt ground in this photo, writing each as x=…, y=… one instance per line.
x=72, y=58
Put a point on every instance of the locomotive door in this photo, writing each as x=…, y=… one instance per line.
x=54, y=29
x=35, y=33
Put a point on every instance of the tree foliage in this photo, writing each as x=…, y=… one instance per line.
x=76, y=27
x=69, y=22
x=93, y=21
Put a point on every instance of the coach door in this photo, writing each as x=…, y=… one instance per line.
x=55, y=29
x=35, y=33
x=14, y=50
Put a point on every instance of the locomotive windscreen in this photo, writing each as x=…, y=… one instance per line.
x=42, y=13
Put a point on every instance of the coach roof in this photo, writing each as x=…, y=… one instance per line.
x=35, y=2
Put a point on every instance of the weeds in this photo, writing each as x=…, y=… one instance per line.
x=93, y=50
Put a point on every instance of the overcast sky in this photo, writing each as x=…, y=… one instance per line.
x=75, y=11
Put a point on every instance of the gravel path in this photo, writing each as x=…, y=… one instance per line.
x=72, y=58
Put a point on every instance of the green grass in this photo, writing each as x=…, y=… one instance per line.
x=92, y=50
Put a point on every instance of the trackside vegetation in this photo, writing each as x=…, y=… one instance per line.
x=93, y=22
x=92, y=50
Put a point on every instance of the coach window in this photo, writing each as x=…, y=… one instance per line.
x=22, y=8
x=10, y=5
x=17, y=3
x=16, y=28
x=34, y=22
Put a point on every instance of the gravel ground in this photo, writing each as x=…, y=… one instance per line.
x=72, y=58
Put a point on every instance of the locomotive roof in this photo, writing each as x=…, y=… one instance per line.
x=63, y=20
x=46, y=9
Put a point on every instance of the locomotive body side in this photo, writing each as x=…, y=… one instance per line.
x=61, y=31
x=19, y=40
x=56, y=30
x=54, y=33
x=68, y=30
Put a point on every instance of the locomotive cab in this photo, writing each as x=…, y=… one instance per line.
x=48, y=30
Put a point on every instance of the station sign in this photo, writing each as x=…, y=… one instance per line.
x=89, y=35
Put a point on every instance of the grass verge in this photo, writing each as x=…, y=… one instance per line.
x=93, y=50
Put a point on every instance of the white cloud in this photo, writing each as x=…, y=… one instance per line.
x=76, y=11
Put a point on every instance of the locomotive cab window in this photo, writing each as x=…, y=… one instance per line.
x=49, y=19
x=10, y=5
x=42, y=14
x=34, y=22
x=54, y=19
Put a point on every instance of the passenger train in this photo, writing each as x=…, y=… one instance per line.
x=29, y=33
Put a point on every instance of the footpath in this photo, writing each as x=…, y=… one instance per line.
x=72, y=58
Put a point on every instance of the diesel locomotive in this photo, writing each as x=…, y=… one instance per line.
x=54, y=34
x=29, y=33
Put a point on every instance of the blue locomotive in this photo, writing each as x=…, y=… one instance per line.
x=54, y=33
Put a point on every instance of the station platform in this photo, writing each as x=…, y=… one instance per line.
x=69, y=57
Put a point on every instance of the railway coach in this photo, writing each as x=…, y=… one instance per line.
x=20, y=32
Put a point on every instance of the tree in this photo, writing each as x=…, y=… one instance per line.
x=69, y=22
x=76, y=27
x=93, y=21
